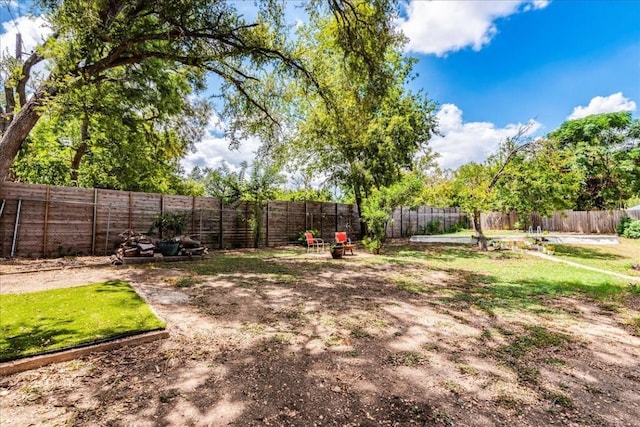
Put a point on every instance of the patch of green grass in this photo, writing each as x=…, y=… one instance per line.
x=560, y=399
x=254, y=328
x=360, y=333
x=491, y=281
x=333, y=340
x=536, y=337
x=412, y=288
x=187, y=282
x=406, y=358
x=554, y=361
x=523, y=348
x=507, y=401
x=44, y=321
x=616, y=258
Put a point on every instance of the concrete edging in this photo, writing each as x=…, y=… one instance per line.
x=8, y=368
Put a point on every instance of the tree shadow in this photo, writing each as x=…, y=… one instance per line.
x=436, y=251
x=585, y=253
x=346, y=346
x=22, y=340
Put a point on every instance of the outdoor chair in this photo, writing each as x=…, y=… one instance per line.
x=313, y=242
x=342, y=239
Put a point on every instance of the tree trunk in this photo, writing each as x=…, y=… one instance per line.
x=477, y=224
x=363, y=225
x=81, y=150
x=19, y=129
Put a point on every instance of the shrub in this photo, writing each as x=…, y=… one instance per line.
x=456, y=227
x=433, y=226
x=372, y=244
x=632, y=231
x=625, y=221
x=169, y=225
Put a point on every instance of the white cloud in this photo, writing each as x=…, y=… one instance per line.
x=33, y=29
x=440, y=26
x=604, y=104
x=214, y=149
x=462, y=142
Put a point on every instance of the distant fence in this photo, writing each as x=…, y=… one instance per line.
x=49, y=221
x=588, y=222
x=407, y=222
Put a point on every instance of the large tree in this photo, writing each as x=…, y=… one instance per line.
x=364, y=128
x=524, y=175
x=607, y=153
x=125, y=132
x=90, y=39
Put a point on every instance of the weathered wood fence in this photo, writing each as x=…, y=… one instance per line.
x=49, y=221
x=588, y=222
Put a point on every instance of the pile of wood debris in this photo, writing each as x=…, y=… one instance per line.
x=139, y=245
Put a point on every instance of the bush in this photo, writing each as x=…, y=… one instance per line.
x=372, y=244
x=625, y=221
x=632, y=231
x=169, y=225
x=455, y=228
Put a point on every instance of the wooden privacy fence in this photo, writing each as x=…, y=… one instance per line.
x=588, y=222
x=46, y=221
x=407, y=222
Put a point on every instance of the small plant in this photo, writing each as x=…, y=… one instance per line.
x=432, y=227
x=622, y=226
x=406, y=358
x=372, y=244
x=455, y=228
x=169, y=225
x=633, y=230
x=187, y=282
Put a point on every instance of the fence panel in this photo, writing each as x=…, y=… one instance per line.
x=41, y=220
x=567, y=221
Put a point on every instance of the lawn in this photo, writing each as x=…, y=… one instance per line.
x=44, y=321
x=433, y=335
x=617, y=258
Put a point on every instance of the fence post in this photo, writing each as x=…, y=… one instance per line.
x=95, y=218
x=337, y=222
x=221, y=227
x=246, y=224
x=130, y=213
x=45, y=237
x=401, y=222
x=306, y=217
x=193, y=215
x=266, y=242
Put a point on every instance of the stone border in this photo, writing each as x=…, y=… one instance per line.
x=8, y=368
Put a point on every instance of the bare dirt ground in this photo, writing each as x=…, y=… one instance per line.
x=308, y=341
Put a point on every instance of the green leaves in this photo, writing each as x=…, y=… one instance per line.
x=607, y=155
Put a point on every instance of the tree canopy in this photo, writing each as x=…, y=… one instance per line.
x=362, y=129
x=607, y=154
x=95, y=42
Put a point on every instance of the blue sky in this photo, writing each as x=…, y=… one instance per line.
x=490, y=65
